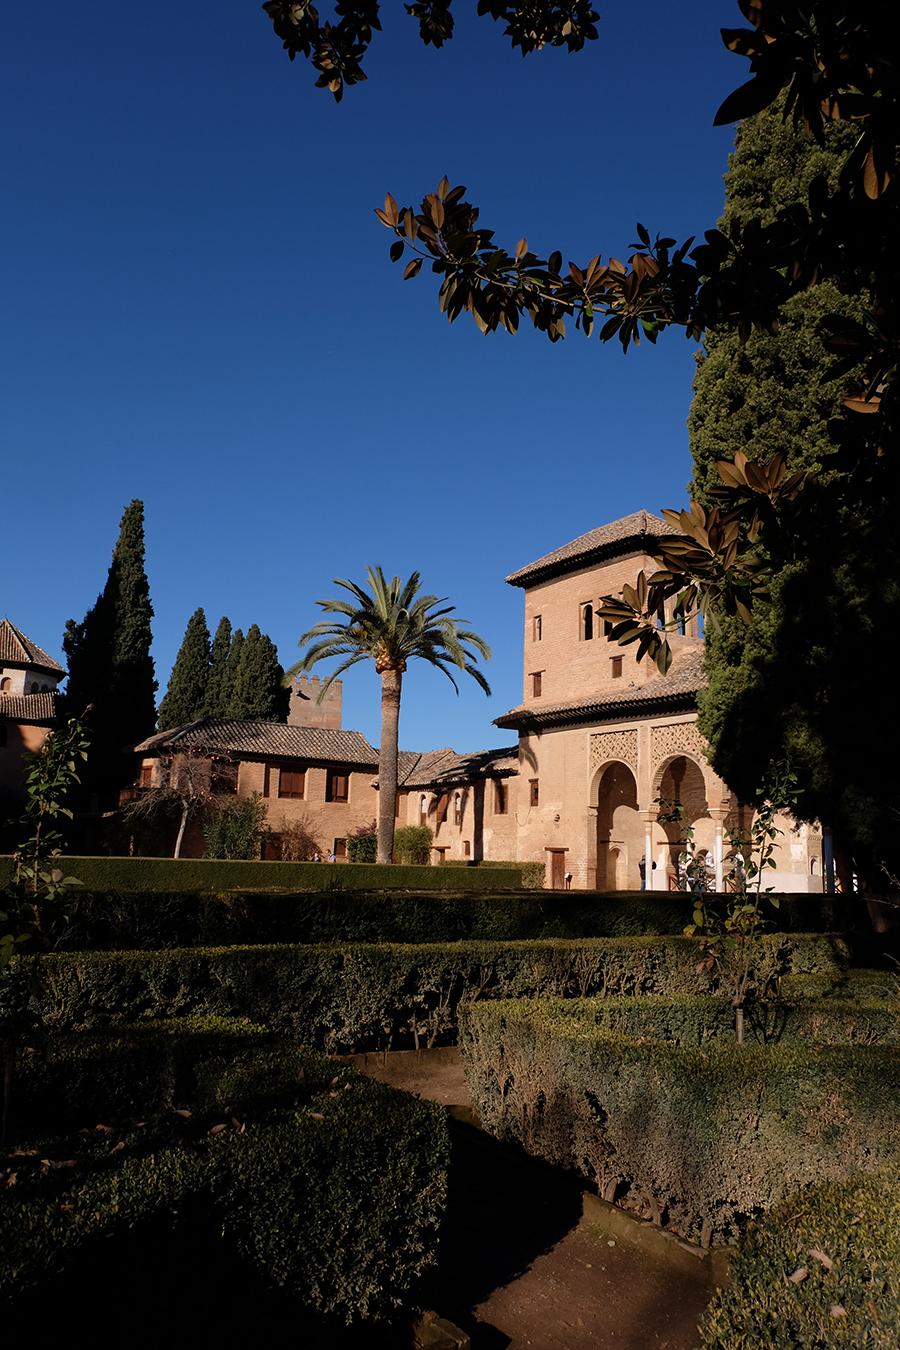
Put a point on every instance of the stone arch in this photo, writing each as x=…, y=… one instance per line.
x=619, y=831
x=683, y=778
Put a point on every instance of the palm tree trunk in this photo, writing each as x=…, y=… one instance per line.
x=391, y=681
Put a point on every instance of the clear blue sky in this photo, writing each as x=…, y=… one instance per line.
x=199, y=311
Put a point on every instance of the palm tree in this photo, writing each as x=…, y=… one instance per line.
x=391, y=627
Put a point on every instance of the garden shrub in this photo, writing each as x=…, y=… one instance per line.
x=331, y=1182
x=707, y=1136
x=362, y=844
x=847, y=1239
x=154, y=920
x=181, y=876
x=353, y=997
x=533, y=873
x=412, y=845
x=235, y=830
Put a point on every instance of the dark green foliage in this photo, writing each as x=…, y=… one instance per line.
x=852, y=1302
x=184, y=875
x=257, y=692
x=533, y=873
x=236, y=829
x=109, y=662
x=231, y=668
x=708, y=1135
x=793, y=681
x=353, y=997
x=188, y=692
x=412, y=845
x=217, y=688
x=331, y=1182
x=362, y=844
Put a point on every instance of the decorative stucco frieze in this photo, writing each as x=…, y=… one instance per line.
x=679, y=738
x=608, y=745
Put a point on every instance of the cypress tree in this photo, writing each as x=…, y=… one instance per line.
x=186, y=695
x=231, y=667
x=109, y=661
x=216, y=701
x=256, y=694
x=795, y=681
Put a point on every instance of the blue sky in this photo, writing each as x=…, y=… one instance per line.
x=199, y=311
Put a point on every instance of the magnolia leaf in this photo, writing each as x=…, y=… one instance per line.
x=799, y=1275
x=217, y=1129
x=837, y=1310
x=820, y=1256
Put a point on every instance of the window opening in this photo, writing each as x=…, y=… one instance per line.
x=291, y=784
x=536, y=683
x=616, y=664
x=536, y=628
x=533, y=784
x=587, y=622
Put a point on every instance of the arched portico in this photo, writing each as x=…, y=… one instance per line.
x=616, y=835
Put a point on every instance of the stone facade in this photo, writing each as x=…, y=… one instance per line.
x=605, y=742
x=28, y=702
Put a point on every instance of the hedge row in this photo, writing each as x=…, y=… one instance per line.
x=847, y=1240
x=533, y=873
x=357, y=997
x=700, y=1020
x=152, y=921
x=184, y=875
x=336, y=1195
x=705, y=1137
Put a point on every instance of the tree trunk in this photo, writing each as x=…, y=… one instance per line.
x=391, y=681
x=185, y=811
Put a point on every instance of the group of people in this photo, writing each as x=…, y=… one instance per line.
x=693, y=872
x=329, y=857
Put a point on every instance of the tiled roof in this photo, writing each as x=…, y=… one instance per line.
x=264, y=739
x=679, y=687
x=637, y=531
x=18, y=650
x=445, y=767
x=37, y=708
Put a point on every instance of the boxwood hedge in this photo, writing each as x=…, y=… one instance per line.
x=387, y=996
x=658, y=1102
x=331, y=1182
x=822, y=1269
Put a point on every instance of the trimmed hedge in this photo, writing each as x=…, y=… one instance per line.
x=709, y=1136
x=850, y=984
x=849, y=1302
x=154, y=921
x=533, y=873
x=183, y=875
x=336, y=1193
x=355, y=997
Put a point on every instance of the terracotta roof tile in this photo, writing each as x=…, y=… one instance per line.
x=636, y=531
x=18, y=650
x=38, y=708
x=266, y=739
x=441, y=768
x=684, y=679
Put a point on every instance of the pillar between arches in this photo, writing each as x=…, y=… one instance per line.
x=717, y=815
x=649, y=818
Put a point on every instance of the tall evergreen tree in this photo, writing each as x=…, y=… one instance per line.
x=186, y=696
x=798, y=678
x=109, y=661
x=216, y=693
x=231, y=668
x=258, y=692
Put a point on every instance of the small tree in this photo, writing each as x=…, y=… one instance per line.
x=237, y=829
x=729, y=929
x=412, y=845
x=37, y=903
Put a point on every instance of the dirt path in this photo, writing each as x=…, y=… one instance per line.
x=519, y=1264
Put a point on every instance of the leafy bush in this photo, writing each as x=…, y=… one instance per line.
x=707, y=1135
x=331, y=1182
x=349, y=997
x=847, y=1240
x=236, y=829
x=412, y=845
x=362, y=844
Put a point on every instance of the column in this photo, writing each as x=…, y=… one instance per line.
x=649, y=819
x=718, y=814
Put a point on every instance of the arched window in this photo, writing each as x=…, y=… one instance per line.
x=587, y=622
x=457, y=809
x=35, y=687
x=423, y=810
x=5, y=685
